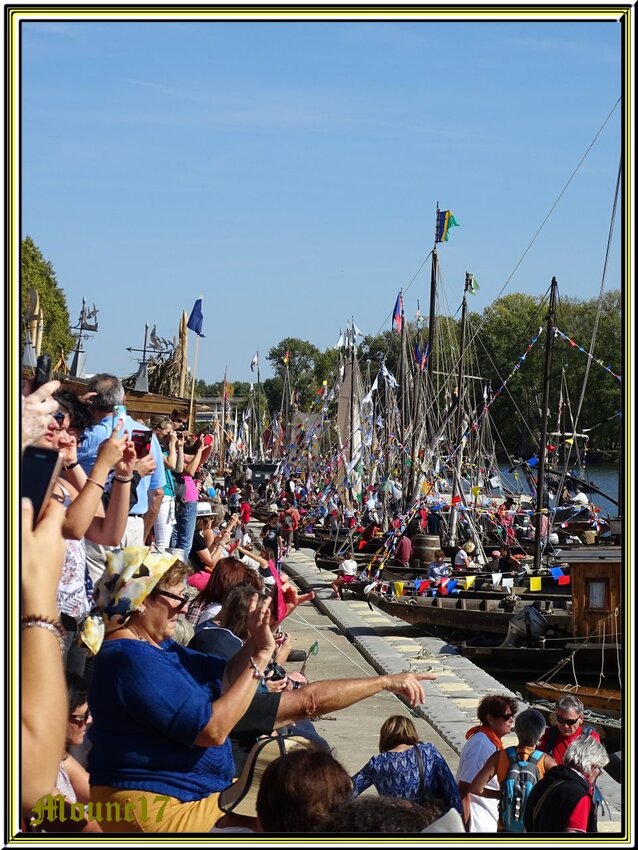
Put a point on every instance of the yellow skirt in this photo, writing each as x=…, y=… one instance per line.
x=118, y=810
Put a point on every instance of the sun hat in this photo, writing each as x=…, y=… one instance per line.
x=496, y=554
x=240, y=798
x=468, y=547
x=204, y=509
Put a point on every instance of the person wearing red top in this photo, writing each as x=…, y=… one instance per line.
x=569, y=728
x=403, y=550
x=289, y=520
x=562, y=801
x=245, y=512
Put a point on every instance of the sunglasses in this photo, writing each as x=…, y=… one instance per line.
x=566, y=721
x=181, y=599
x=80, y=719
x=59, y=416
x=506, y=716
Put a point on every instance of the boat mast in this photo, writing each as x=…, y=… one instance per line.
x=540, y=482
x=456, y=480
x=432, y=321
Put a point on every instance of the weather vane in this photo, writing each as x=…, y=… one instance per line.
x=153, y=345
x=84, y=324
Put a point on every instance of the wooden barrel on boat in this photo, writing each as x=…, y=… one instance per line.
x=423, y=548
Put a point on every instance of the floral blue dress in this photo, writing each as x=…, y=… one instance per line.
x=396, y=774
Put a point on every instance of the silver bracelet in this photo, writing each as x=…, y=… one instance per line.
x=43, y=624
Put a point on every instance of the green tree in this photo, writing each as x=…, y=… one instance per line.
x=300, y=370
x=38, y=273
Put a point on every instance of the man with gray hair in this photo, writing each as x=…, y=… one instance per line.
x=104, y=393
x=569, y=728
x=563, y=800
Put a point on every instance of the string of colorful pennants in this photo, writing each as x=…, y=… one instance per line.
x=574, y=344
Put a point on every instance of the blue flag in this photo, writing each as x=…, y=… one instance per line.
x=196, y=319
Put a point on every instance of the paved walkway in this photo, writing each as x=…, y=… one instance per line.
x=389, y=645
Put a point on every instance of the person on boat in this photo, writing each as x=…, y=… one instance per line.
x=529, y=725
x=580, y=498
x=496, y=714
x=403, y=549
x=463, y=560
x=494, y=563
x=505, y=517
x=439, y=570
x=347, y=574
x=508, y=562
x=569, y=728
x=408, y=768
x=563, y=800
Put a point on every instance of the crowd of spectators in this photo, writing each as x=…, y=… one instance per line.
x=153, y=653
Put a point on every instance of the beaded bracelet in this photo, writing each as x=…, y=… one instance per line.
x=54, y=626
x=97, y=483
x=257, y=673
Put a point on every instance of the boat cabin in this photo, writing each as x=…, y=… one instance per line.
x=596, y=598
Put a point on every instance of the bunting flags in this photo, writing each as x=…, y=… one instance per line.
x=573, y=344
x=444, y=221
x=535, y=583
x=196, y=319
x=397, y=314
x=254, y=362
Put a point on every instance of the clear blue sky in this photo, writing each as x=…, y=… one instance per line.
x=290, y=171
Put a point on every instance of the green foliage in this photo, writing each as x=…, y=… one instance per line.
x=38, y=273
x=299, y=372
x=508, y=326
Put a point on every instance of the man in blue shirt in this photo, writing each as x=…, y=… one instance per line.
x=109, y=392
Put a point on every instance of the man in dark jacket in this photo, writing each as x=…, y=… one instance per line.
x=562, y=800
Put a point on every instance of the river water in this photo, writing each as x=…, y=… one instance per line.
x=604, y=476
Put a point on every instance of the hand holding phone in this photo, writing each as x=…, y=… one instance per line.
x=39, y=471
x=142, y=442
x=119, y=416
x=42, y=371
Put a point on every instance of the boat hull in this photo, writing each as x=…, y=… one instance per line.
x=455, y=613
x=605, y=699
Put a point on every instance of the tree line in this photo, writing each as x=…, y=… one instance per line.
x=499, y=337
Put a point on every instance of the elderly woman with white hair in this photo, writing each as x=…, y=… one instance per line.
x=563, y=800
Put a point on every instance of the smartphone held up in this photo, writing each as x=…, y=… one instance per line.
x=38, y=473
x=119, y=416
x=142, y=442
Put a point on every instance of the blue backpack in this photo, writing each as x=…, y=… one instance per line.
x=521, y=778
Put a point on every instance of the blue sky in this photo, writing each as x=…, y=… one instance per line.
x=290, y=171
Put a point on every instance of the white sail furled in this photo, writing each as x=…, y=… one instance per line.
x=349, y=480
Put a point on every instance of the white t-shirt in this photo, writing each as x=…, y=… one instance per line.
x=348, y=567
x=250, y=562
x=483, y=812
x=580, y=499
x=462, y=559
